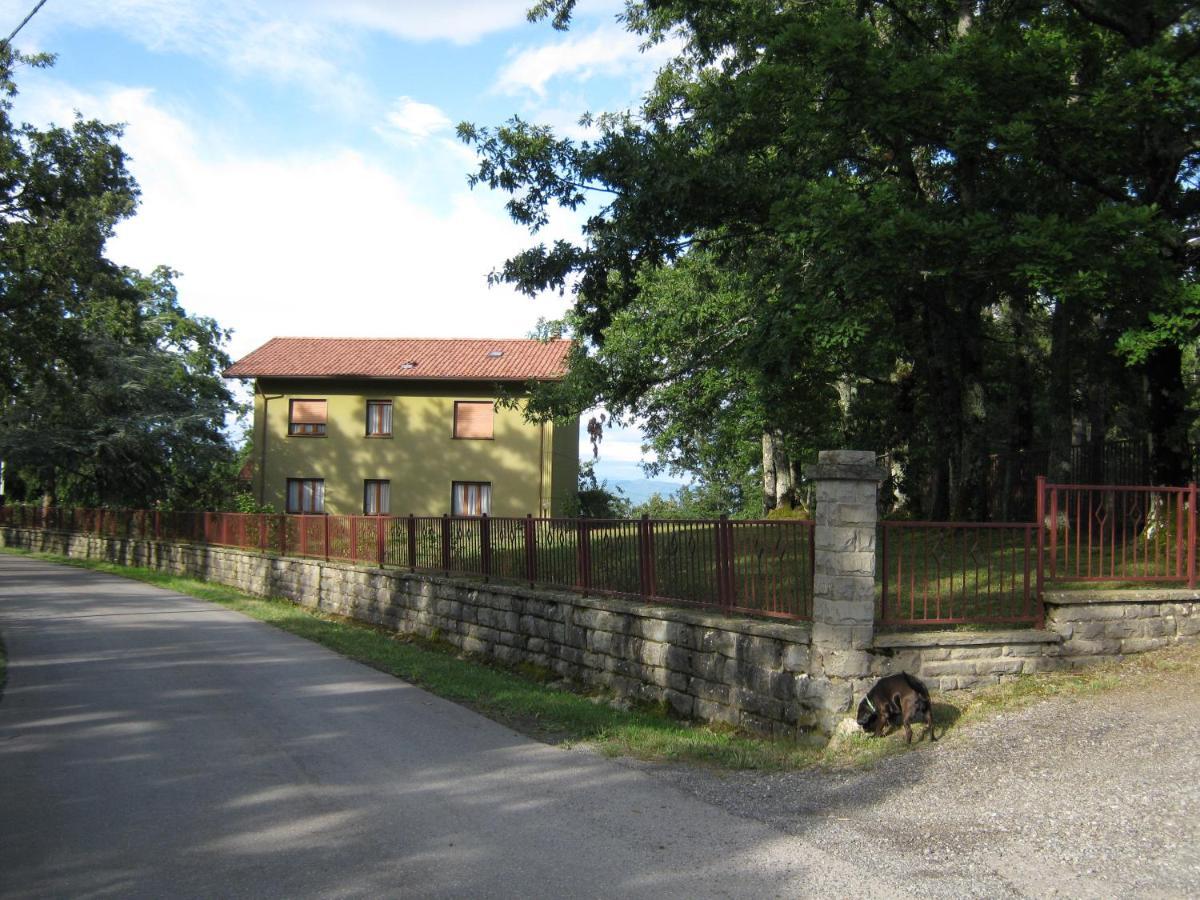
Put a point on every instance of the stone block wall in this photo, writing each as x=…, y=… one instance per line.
x=954, y=660
x=1098, y=625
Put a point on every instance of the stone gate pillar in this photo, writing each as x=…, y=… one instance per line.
x=847, y=489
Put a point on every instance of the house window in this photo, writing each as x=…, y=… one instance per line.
x=306, y=495
x=471, y=498
x=307, y=418
x=377, y=497
x=473, y=419
x=379, y=418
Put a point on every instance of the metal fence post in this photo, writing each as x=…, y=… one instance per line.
x=723, y=598
x=381, y=530
x=1054, y=531
x=325, y=535
x=485, y=546
x=412, y=543
x=1040, y=525
x=583, y=554
x=530, y=550
x=646, y=556
x=1191, y=538
x=446, y=543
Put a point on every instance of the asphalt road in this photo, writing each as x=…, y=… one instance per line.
x=152, y=745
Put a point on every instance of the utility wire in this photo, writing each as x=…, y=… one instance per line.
x=25, y=21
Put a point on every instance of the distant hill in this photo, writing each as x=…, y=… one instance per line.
x=642, y=489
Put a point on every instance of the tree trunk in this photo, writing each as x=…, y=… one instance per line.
x=1170, y=460
x=770, y=481
x=779, y=473
x=1058, y=464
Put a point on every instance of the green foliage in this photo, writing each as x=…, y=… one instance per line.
x=705, y=500
x=595, y=500
x=110, y=393
x=245, y=502
x=937, y=229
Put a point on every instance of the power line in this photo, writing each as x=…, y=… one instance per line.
x=25, y=21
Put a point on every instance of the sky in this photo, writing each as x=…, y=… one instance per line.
x=297, y=158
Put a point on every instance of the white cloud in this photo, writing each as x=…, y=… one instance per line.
x=461, y=22
x=316, y=243
x=410, y=121
x=608, y=50
x=305, y=42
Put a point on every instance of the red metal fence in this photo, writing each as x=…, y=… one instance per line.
x=1107, y=533
x=958, y=572
x=928, y=573
x=756, y=567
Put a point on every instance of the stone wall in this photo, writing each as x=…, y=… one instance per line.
x=781, y=679
x=1110, y=624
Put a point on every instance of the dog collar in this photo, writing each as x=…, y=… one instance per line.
x=870, y=705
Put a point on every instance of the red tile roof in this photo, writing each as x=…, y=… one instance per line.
x=415, y=358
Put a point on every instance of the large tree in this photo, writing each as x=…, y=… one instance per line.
x=944, y=227
x=110, y=393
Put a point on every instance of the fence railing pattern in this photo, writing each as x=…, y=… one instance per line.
x=958, y=572
x=927, y=572
x=756, y=567
x=1117, y=533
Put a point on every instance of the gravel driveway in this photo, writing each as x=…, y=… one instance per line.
x=1096, y=796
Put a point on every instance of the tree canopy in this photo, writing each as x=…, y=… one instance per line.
x=110, y=393
x=944, y=229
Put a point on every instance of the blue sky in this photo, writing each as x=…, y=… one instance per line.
x=297, y=158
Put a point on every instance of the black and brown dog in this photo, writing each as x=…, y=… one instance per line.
x=896, y=700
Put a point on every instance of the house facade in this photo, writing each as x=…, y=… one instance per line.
x=392, y=426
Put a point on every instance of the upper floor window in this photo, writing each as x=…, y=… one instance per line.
x=307, y=417
x=377, y=497
x=306, y=495
x=471, y=498
x=473, y=419
x=379, y=418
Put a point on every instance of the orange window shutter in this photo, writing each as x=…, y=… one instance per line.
x=308, y=412
x=472, y=420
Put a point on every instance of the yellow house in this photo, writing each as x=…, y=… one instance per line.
x=392, y=426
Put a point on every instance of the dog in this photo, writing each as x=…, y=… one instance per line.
x=896, y=700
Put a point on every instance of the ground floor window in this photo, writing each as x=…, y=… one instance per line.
x=377, y=497
x=306, y=495
x=471, y=498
